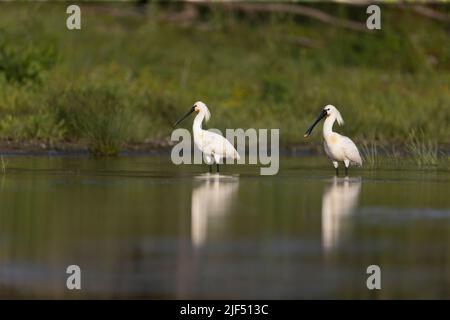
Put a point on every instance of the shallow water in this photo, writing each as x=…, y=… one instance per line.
x=140, y=227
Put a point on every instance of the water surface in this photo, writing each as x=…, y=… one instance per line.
x=140, y=227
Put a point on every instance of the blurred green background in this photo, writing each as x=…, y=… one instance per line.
x=132, y=70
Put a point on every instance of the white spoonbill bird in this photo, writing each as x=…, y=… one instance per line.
x=214, y=146
x=337, y=147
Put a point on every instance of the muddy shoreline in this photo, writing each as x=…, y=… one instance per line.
x=68, y=148
x=151, y=148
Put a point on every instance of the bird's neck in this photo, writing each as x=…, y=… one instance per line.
x=198, y=122
x=328, y=125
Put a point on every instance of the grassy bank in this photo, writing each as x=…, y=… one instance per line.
x=127, y=75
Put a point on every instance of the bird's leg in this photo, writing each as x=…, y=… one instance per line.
x=336, y=164
x=210, y=168
x=347, y=163
x=217, y=167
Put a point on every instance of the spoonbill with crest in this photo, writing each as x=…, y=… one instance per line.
x=337, y=147
x=213, y=146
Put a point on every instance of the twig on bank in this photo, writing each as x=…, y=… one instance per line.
x=293, y=9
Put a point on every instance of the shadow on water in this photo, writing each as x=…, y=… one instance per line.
x=169, y=232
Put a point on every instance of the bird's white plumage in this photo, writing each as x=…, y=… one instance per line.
x=351, y=152
x=214, y=146
x=341, y=148
x=338, y=147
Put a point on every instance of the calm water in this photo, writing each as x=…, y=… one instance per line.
x=140, y=227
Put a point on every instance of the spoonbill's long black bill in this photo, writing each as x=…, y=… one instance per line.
x=320, y=117
x=185, y=116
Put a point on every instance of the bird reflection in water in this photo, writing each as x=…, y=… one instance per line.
x=212, y=199
x=338, y=204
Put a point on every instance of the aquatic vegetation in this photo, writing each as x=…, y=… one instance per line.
x=423, y=152
x=98, y=115
x=369, y=153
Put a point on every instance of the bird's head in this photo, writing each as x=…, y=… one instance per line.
x=328, y=111
x=332, y=111
x=198, y=107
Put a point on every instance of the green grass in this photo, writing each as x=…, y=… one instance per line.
x=424, y=152
x=98, y=115
x=249, y=71
x=418, y=149
x=4, y=165
x=369, y=154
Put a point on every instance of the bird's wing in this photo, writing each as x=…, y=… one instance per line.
x=351, y=151
x=219, y=145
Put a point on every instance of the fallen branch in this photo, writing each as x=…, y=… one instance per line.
x=293, y=9
x=430, y=13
